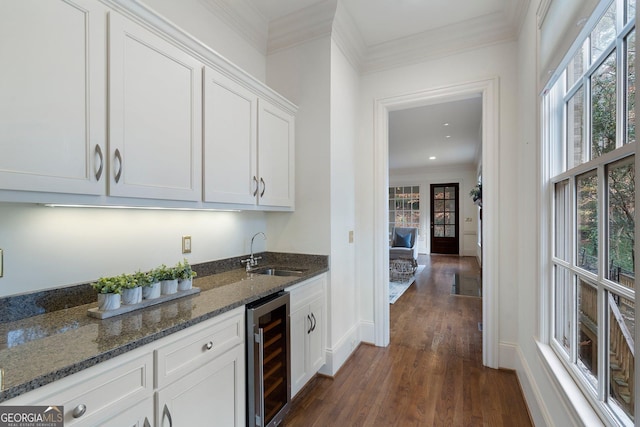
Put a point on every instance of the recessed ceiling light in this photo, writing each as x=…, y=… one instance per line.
x=432, y=158
x=448, y=136
x=446, y=124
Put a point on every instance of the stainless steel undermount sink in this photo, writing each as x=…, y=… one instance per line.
x=279, y=271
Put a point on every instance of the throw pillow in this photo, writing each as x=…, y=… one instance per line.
x=402, y=240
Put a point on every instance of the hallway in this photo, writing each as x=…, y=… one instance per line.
x=431, y=374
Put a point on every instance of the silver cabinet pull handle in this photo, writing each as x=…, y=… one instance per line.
x=255, y=180
x=209, y=345
x=146, y=422
x=264, y=187
x=165, y=412
x=79, y=410
x=98, y=151
x=313, y=328
x=118, y=156
x=310, y=323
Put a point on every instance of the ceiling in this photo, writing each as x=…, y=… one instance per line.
x=450, y=132
x=422, y=28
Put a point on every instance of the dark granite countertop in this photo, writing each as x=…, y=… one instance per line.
x=40, y=349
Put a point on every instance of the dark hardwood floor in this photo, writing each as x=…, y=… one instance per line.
x=431, y=374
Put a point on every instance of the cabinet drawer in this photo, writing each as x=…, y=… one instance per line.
x=105, y=390
x=302, y=293
x=198, y=345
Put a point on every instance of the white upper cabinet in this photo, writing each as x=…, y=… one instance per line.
x=155, y=113
x=248, y=146
x=53, y=96
x=230, y=143
x=276, y=156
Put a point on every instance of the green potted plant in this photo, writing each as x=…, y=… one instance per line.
x=476, y=194
x=131, y=290
x=109, y=291
x=168, y=277
x=185, y=275
x=149, y=283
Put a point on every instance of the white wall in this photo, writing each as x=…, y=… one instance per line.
x=199, y=20
x=343, y=331
x=302, y=75
x=480, y=64
x=51, y=247
x=466, y=178
x=318, y=78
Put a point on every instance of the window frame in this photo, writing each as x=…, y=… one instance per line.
x=554, y=126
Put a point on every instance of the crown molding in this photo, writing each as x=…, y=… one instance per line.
x=440, y=42
x=348, y=38
x=330, y=18
x=244, y=19
x=301, y=26
x=541, y=12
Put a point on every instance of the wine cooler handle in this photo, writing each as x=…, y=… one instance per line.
x=260, y=415
x=165, y=412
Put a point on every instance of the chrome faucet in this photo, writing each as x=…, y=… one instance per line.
x=252, y=261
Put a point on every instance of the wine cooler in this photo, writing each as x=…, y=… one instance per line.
x=268, y=358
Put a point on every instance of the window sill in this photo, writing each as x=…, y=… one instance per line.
x=573, y=399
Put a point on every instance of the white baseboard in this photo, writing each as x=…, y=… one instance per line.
x=367, y=332
x=508, y=355
x=338, y=354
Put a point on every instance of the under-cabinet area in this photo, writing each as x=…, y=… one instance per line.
x=111, y=112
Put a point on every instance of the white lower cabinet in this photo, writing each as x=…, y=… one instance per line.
x=210, y=396
x=115, y=393
x=196, y=377
x=201, y=374
x=307, y=330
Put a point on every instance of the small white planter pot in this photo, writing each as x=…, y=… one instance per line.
x=108, y=302
x=152, y=291
x=132, y=296
x=185, y=284
x=169, y=286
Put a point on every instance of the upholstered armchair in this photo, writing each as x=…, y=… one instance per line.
x=404, y=243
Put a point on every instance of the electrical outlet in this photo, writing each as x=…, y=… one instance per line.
x=186, y=244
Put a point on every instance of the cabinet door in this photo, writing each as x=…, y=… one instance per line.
x=155, y=138
x=315, y=355
x=276, y=156
x=53, y=96
x=300, y=325
x=213, y=395
x=230, y=150
x=139, y=415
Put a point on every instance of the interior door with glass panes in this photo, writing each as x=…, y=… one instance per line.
x=445, y=219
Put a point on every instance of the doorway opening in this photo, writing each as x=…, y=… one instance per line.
x=488, y=90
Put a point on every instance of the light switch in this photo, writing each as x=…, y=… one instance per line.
x=186, y=244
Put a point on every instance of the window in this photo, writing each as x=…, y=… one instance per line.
x=589, y=127
x=404, y=207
